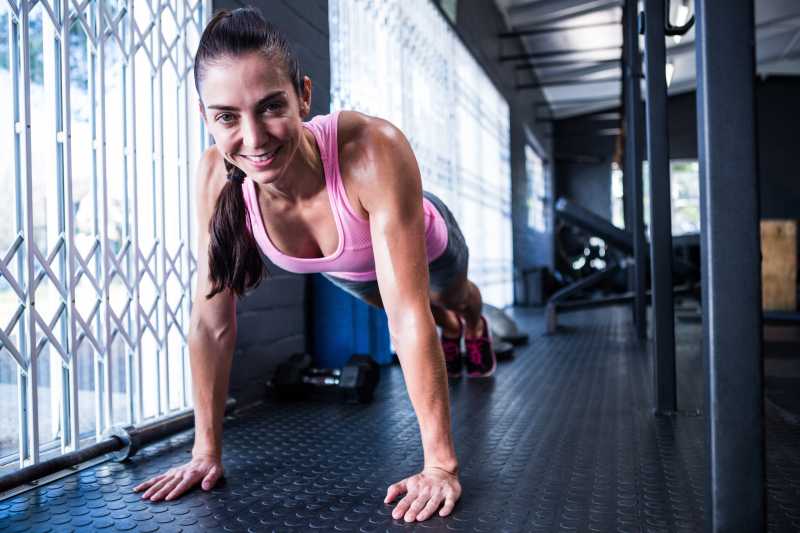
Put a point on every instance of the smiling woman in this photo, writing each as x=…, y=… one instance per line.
x=233, y=258
x=339, y=194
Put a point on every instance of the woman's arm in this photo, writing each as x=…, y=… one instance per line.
x=391, y=192
x=211, y=339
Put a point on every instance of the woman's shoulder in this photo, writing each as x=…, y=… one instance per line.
x=358, y=133
x=211, y=177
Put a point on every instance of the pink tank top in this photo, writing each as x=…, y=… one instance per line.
x=353, y=259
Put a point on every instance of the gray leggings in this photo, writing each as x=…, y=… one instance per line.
x=442, y=271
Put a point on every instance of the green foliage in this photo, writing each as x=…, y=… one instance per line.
x=4, y=40
x=78, y=50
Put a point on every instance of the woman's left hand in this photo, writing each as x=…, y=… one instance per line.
x=424, y=494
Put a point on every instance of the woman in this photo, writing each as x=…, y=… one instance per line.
x=340, y=194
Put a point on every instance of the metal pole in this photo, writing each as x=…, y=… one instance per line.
x=160, y=206
x=121, y=443
x=28, y=397
x=633, y=163
x=103, y=365
x=731, y=266
x=660, y=209
x=137, y=273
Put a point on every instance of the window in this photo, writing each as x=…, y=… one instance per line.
x=537, y=193
x=99, y=116
x=685, y=180
x=401, y=61
x=617, y=196
x=684, y=190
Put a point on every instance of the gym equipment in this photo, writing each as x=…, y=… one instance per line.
x=503, y=350
x=296, y=379
x=621, y=242
x=504, y=329
x=119, y=443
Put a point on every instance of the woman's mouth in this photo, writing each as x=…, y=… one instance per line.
x=262, y=160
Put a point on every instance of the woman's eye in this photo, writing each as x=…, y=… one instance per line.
x=275, y=106
x=225, y=118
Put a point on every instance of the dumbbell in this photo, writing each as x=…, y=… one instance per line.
x=297, y=379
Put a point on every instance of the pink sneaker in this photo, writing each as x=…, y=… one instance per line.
x=481, y=361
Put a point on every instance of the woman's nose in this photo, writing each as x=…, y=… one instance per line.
x=254, y=134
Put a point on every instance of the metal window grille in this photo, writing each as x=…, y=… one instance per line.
x=100, y=135
x=402, y=61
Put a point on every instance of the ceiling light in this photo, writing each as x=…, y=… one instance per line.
x=681, y=18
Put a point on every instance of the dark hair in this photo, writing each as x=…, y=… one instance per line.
x=233, y=257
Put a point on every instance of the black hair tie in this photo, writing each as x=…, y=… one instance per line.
x=235, y=174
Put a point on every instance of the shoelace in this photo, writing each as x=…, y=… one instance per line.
x=474, y=350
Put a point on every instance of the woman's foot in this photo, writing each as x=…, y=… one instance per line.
x=481, y=361
x=451, y=346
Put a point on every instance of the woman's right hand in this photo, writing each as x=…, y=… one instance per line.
x=206, y=469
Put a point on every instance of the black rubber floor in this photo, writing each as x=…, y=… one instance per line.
x=561, y=439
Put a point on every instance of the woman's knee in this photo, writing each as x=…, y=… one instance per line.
x=457, y=295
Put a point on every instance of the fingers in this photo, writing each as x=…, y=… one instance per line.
x=404, y=504
x=211, y=478
x=182, y=487
x=425, y=494
x=449, y=503
x=394, y=491
x=433, y=503
x=418, y=504
x=148, y=483
x=155, y=487
x=166, y=488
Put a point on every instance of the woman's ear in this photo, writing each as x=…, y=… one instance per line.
x=305, y=99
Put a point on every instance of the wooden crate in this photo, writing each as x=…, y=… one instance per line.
x=779, y=265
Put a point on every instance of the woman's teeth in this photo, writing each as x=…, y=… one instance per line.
x=261, y=157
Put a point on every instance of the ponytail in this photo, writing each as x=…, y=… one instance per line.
x=233, y=258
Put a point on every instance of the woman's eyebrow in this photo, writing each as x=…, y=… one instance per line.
x=260, y=102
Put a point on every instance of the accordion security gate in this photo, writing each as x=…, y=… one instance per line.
x=97, y=262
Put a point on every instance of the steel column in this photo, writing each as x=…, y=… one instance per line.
x=731, y=265
x=660, y=209
x=633, y=163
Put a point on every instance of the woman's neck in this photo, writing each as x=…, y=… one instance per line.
x=304, y=177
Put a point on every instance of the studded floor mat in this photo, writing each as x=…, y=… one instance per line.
x=561, y=439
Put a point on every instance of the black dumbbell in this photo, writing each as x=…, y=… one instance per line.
x=355, y=383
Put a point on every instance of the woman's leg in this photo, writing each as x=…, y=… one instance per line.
x=446, y=319
x=462, y=298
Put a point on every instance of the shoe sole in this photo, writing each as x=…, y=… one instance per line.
x=485, y=374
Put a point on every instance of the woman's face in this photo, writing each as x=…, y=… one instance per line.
x=253, y=113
